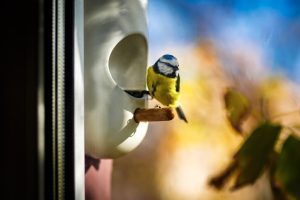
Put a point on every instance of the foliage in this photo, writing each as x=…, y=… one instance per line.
x=256, y=154
x=237, y=106
x=287, y=175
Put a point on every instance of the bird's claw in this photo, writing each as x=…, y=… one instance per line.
x=157, y=106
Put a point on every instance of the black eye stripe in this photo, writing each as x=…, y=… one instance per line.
x=155, y=68
x=167, y=64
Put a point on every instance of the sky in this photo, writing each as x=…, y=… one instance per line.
x=273, y=26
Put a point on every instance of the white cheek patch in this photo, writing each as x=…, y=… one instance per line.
x=172, y=62
x=165, y=69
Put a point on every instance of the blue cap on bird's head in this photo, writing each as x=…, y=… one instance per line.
x=169, y=60
x=168, y=57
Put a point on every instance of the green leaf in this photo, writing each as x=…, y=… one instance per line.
x=255, y=153
x=237, y=106
x=218, y=181
x=287, y=174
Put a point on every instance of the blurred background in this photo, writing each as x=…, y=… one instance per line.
x=253, y=46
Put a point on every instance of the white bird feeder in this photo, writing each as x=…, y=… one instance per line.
x=115, y=51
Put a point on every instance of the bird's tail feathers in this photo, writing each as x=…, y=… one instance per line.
x=181, y=114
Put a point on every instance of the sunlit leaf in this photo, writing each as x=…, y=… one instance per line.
x=287, y=174
x=254, y=154
x=237, y=107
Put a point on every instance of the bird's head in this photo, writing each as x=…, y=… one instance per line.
x=167, y=65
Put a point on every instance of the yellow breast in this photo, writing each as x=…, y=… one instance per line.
x=162, y=88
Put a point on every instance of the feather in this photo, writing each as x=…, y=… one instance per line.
x=178, y=84
x=181, y=114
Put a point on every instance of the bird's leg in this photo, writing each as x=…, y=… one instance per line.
x=150, y=97
x=147, y=95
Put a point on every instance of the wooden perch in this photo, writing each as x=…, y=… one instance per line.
x=153, y=114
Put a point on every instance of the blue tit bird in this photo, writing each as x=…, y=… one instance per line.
x=163, y=82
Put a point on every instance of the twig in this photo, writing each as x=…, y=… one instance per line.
x=153, y=114
x=285, y=114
